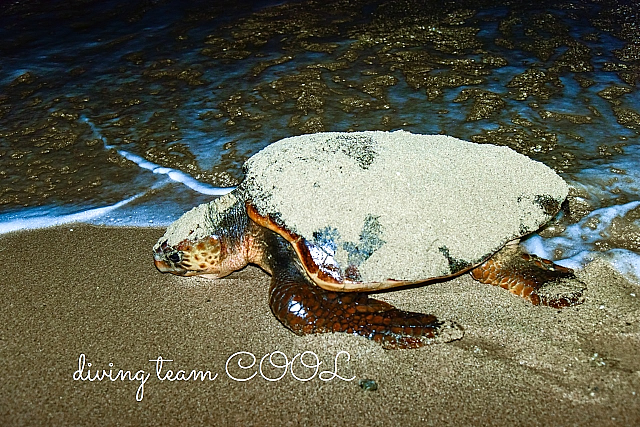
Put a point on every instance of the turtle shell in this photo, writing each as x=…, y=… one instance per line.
x=373, y=210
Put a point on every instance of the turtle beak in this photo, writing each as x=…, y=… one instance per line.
x=162, y=265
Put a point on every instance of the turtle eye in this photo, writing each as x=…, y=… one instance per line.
x=174, y=257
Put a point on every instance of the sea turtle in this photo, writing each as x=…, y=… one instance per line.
x=334, y=215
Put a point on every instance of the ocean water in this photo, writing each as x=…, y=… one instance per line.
x=130, y=113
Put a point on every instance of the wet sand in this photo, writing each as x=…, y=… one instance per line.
x=95, y=291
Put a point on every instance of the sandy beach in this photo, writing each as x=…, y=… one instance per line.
x=130, y=113
x=79, y=295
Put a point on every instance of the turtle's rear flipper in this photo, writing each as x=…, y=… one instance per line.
x=535, y=279
x=306, y=308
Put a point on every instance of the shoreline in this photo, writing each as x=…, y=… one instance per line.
x=94, y=291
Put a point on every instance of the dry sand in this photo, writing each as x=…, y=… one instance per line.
x=95, y=291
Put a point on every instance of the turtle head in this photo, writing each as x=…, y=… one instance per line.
x=209, y=257
x=207, y=241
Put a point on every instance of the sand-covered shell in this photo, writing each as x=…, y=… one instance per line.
x=371, y=210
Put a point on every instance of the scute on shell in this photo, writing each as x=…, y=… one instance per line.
x=378, y=205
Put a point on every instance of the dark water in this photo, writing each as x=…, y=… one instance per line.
x=131, y=112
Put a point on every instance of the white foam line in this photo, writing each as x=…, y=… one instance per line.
x=45, y=221
x=604, y=215
x=173, y=174
x=537, y=246
x=577, y=242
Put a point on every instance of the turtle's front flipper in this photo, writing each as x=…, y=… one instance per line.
x=306, y=308
x=538, y=280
